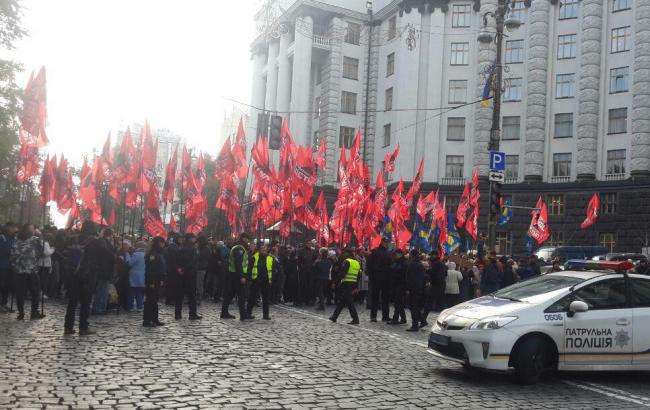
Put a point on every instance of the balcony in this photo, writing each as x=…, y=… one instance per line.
x=321, y=41
x=453, y=181
x=560, y=179
x=614, y=177
x=511, y=180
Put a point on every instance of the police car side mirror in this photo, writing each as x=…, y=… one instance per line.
x=577, y=306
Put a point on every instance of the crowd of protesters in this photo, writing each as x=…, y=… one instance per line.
x=99, y=272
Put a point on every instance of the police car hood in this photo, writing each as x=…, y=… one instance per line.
x=486, y=306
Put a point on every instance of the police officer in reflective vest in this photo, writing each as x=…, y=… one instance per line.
x=264, y=268
x=236, y=278
x=349, y=276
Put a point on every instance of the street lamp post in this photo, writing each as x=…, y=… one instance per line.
x=504, y=9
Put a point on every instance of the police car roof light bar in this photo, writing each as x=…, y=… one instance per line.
x=579, y=264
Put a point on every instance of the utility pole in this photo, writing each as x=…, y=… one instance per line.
x=365, y=120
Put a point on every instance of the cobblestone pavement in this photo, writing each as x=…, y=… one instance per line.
x=297, y=360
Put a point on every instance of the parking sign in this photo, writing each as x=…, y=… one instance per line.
x=497, y=161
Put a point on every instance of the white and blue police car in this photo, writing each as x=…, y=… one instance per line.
x=591, y=316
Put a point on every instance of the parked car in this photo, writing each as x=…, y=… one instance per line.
x=545, y=252
x=564, y=253
x=621, y=256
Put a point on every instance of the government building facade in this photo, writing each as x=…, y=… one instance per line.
x=575, y=112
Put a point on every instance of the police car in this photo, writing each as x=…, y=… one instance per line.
x=591, y=316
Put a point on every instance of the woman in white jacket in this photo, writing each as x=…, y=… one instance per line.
x=44, y=261
x=452, y=287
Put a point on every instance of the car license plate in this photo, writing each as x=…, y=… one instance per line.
x=438, y=339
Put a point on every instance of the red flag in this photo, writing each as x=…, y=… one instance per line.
x=472, y=224
x=225, y=163
x=320, y=158
x=389, y=160
x=538, y=229
x=170, y=177
x=239, y=152
x=592, y=212
x=417, y=181
x=152, y=221
x=33, y=118
x=27, y=158
x=424, y=206
x=475, y=194
x=463, y=206
x=45, y=185
x=172, y=223
x=125, y=160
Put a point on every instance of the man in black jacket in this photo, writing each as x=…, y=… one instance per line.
x=379, y=276
x=92, y=253
x=172, y=267
x=186, y=261
x=236, y=278
x=436, y=288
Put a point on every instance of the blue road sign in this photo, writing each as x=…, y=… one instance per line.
x=497, y=161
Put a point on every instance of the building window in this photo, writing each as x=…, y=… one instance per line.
x=618, y=80
x=460, y=15
x=457, y=91
x=503, y=243
x=459, y=53
x=608, y=241
x=608, y=203
x=350, y=68
x=454, y=166
x=317, y=103
x=389, y=99
x=346, y=137
x=348, y=102
x=513, y=89
x=620, y=5
x=565, y=86
x=512, y=167
x=620, y=39
x=451, y=204
x=562, y=165
x=387, y=128
x=392, y=27
x=569, y=9
x=564, y=125
x=556, y=239
x=353, y=34
x=319, y=73
x=514, y=51
x=511, y=128
x=555, y=204
x=519, y=11
x=616, y=161
x=390, y=64
x=617, y=121
x=566, y=46
x=456, y=128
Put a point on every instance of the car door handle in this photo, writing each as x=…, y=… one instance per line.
x=622, y=322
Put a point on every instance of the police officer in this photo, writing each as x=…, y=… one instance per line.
x=186, y=260
x=236, y=278
x=264, y=268
x=349, y=280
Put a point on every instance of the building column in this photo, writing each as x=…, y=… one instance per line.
x=284, y=75
x=331, y=99
x=259, y=91
x=483, y=115
x=271, y=77
x=422, y=94
x=640, y=118
x=536, y=90
x=301, y=80
x=589, y=89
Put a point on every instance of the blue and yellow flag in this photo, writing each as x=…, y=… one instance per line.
x=487, y=90
x=453, y=237
x=506, y=212
x=421, y=236
x=530, y=244
x=387, y=229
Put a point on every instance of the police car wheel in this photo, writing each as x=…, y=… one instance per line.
x=531, y=360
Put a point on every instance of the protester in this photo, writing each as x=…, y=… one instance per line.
x=452, y=285
x=642, y=268
x=323, y=272
x=509, y=275
x=202, y=262
x=348, y=282
x=306, y=258
x=136, y=264
x=44, y=251
x=171, y=252
x=435, y=291
x=415, y=284
x=24, y=259
x=155, y=271
x=277, y=286
x=7, y=239
x=236, y=279
x=105, y=275
x=555, y=267
x=397, y=271
x=186, y=271
x=379, y=262
x=492, y=275
x=84, y=255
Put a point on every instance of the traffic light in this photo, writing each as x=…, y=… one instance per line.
x=275, y=140
x=495, y=198
x=263, y=125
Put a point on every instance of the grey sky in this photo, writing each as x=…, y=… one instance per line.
x=111, y=63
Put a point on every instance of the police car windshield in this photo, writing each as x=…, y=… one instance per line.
x=537, y=286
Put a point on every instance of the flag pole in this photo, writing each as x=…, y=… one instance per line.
x=123, y=211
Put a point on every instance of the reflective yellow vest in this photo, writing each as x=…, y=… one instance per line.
x=352, y=274
x=231, y=260
x=269, y=266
